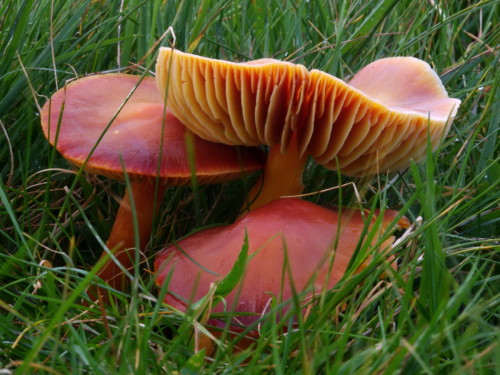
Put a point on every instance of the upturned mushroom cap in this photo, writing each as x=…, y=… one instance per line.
x=377, y=123
x=249, y=103
x=76, y=116
x=305, y=231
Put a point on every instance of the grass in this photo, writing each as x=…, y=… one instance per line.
x=438, y=313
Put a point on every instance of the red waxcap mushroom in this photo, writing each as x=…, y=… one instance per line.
x=310, y=235
x=144, y=139
x=378, y=122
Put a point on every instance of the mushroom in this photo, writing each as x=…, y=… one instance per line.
x=377, y=123
x=144, y=140
x=308, y=236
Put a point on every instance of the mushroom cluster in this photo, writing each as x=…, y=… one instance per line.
x=381, y=120
x=378, y=122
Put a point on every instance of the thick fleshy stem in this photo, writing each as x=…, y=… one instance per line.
x=282, y=176
x=122, y=239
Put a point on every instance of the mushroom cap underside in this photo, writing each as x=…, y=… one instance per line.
x=77, y=116
x=378, y=122
x=311, y=236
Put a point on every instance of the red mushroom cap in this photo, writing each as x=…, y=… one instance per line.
x=308, y=233
x=89, y=104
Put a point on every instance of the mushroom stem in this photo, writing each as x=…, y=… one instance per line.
x=282, y=176
x=122, y=239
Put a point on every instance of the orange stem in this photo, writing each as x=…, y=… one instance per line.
x=282, y=176
x=121, y=241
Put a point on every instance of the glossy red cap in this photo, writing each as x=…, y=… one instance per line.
x=75, y=117
x=307, y=231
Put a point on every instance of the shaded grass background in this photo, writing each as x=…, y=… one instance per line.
x=437, y=314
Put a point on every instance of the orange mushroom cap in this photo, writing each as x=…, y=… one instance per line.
x=77, y=115
x=376, y=123
x=310, y=235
